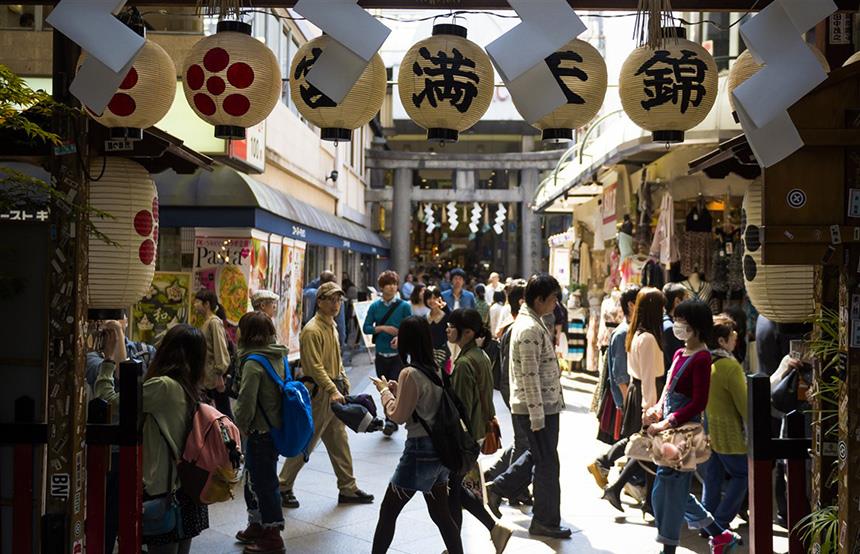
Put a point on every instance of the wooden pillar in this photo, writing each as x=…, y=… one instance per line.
x=65, y=506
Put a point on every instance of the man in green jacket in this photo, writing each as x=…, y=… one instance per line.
x=322, y=362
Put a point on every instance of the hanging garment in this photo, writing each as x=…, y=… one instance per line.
x=664, y=247
x=585, y=273
x=577, y=319
x=593, y=353
x=728, y=274
x=631, y=270
x=611, y=316
x=625, y=245
x=653, y=275
x=696, y=250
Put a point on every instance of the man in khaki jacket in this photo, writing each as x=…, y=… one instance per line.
x=322, y=362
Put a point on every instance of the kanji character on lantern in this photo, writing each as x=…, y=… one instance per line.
x=312, y=96
x=441, y=79
x=554, y=62
x=672, y=77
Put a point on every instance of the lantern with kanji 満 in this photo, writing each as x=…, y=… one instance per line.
x=446, y=83
x=745, y=67
x=336, y=120
x=670, y=88
x=231, y=80
x=122, y=262
x=781, y=293
x=143, y=98
x=580, y=71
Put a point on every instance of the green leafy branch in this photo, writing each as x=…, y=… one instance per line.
x=821, y=527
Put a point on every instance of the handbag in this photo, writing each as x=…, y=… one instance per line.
x=785, y=395
x=161, y=514
x=493, y=438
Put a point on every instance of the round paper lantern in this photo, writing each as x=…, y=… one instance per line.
x=581, y=73
x=143, y=98
x=782, y=293
x=231, y=80
x=336, y=120
x=446, y=83
x=120, y=274
x=670, y=89
x=745, y=67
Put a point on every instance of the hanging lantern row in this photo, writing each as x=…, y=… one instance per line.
x=445, y=82
x=120, y=273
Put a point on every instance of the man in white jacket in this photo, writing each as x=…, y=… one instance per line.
x=536, y=401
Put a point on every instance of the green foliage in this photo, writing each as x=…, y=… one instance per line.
x=821, y=527
x=826, y=345
x=16, y=97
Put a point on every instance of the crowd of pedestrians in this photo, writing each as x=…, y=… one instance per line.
x=668, y=365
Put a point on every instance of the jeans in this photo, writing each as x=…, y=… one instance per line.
x=388, y=367
x=513, y=453
x=262, y=495
x=725, y=506
x=543, y=456
x=673, y=504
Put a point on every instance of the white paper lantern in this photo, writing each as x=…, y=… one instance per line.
x=781, y=293
x=120, y=274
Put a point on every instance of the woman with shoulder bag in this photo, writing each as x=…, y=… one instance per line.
x=171, y=389
x=683, y=401
x=257, y=408
x=472, y=382
x=419, y=469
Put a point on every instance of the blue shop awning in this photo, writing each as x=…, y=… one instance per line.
x=225, y=197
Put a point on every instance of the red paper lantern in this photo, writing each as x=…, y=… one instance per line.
x=231, y=80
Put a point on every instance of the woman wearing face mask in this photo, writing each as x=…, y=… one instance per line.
x=726, y=415
x=645, y=365
x=684, y=399
x=472, y=382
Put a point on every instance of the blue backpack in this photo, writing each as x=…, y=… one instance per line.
x=297, y=421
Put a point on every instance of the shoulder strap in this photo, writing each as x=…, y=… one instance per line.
x=677, y=376
x=169, y=451
x=390, y=312
x=267, y=365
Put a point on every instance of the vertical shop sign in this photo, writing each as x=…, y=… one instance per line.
x=297, y=263
x=607, y=210
x=840, y=28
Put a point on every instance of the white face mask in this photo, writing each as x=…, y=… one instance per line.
x=681, y=330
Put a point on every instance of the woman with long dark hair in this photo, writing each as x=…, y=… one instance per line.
x=644, y=346
x=171, y=390
x=438, y=320
x=416, y=299
x=419, y=469
x=472, y=382
x=683, y=400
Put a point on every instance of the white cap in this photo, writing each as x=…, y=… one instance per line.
x=263, y=294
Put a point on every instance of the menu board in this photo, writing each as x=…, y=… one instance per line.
x=167, y=303
x=223, y=265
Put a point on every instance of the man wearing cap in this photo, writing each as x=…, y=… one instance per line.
x=458, y=297
x=321, y=361
x=265, y=301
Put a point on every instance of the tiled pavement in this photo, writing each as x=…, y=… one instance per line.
x=321, y=526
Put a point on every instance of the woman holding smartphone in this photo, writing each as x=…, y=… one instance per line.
x=419, y=469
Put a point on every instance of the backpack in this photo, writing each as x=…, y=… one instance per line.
x=293, y=436
x=209, y=464
x=450, y=433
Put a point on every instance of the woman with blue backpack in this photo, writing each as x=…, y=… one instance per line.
x=258, y=410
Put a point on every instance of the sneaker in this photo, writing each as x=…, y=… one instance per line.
x=289, y=500
x=724, y=542
x=636, y=493
x=389, y=428
x=500, y=535
x=599, y=473
x=358, y=497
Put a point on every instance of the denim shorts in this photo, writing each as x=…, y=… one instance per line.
x=419, y=468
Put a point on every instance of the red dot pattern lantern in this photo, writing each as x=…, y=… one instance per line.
x=120, y=274
x=231, y=80
x=144, y=97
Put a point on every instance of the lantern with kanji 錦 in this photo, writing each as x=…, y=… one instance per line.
x=580, y=71
x=231, y=80
x=446, y=83
x=781, y=293
x=143, y=98
x=746, y=66
x=336, y=120
x=121, y=270
x=670, y=88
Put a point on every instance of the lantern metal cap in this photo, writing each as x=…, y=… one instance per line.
x=449, y=29
x=229, y=132
x=233, y=26
x=557, y=135
x=669, y=137
x=439, y=134
x=125, y=133
x=336, y=134
x=673, y=32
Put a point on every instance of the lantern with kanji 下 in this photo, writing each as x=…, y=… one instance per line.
x=580, y=71
x=121, y=268
x=670, y=88
x=143, y=98
x=231, y=80
x=336, y=120
x=446, y=83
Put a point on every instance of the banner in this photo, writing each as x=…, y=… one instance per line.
x=288, y=322
x=168, y=303
x=361, y=309
x=223, y=265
